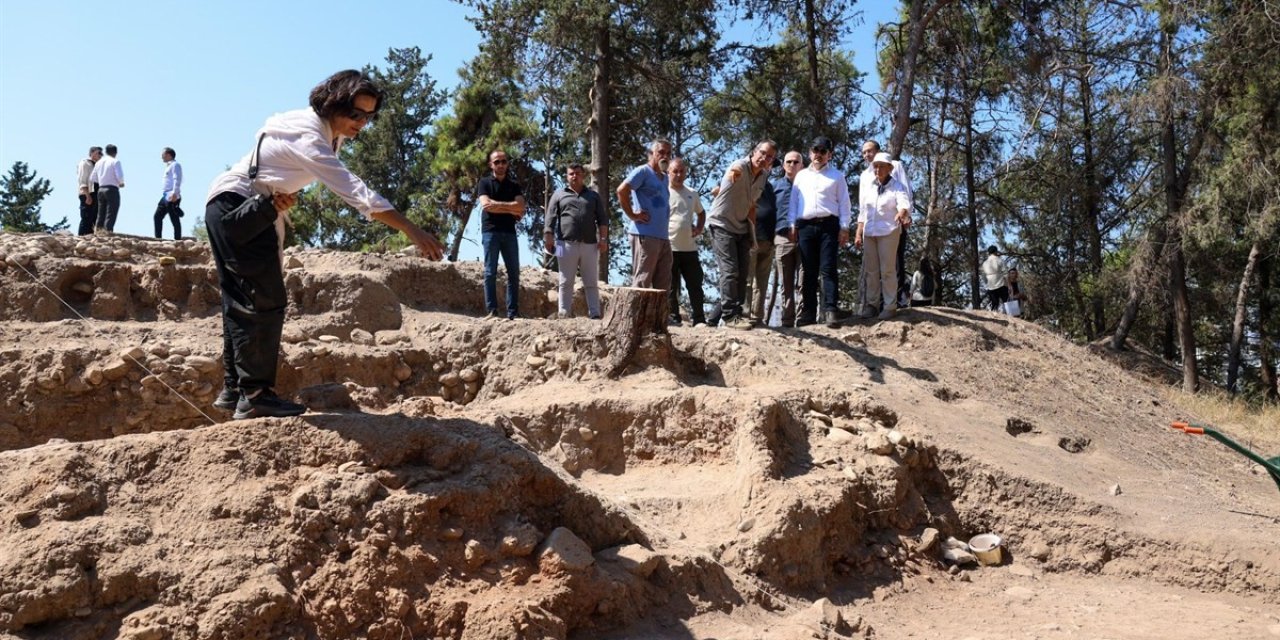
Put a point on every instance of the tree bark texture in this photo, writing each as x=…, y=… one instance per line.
x=598, y=127
x=1266, y=315
x=632, y=314
x=1237, y=325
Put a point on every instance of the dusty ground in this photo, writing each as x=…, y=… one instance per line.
x=467, y=479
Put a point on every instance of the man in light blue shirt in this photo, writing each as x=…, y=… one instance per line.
x=171, y=196
x=645, y=201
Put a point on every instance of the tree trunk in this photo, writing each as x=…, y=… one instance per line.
x=1139, y=280
x=907, y=80
x=454, y=246
x=1237, y=326
x=1097, y=323
x=598, y=127
x=1174, y=190
x=1266, y=315
x=632, y=314
x=817, y=97
x=971, y=206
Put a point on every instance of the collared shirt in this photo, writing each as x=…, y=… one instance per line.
x=879, y=216
x=866, y=186
x=685, y=205
x=107, y=173
x=504, y=190
x=731, y=206
x=172, y=179
x=649, y=194
x=818, y=194
x=83, y=171
x=298, y=148
x=576, y=217
x=781, y=188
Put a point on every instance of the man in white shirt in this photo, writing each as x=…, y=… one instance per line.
x=820, y=215
x=109, y=176
x=686, y=223
x=865, y=180
x=88, y=191
x=994, y=274
x=171, y=195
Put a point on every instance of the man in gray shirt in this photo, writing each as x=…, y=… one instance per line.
x=732, y=223
x=576, y=230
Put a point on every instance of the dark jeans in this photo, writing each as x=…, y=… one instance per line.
x=88, y=213
x=685, y=264
x=247, y=256
x=819, y=241
x=174, y=211
x=733, y=259
x=997, y=297
x=108, y=206
x=504, y=243
x=904, y=276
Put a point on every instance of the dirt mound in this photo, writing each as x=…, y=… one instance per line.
x=466, y=479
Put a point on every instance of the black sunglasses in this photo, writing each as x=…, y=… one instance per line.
x=357, y=113
x=793, y=162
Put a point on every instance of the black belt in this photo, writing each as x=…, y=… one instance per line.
x=107, y=186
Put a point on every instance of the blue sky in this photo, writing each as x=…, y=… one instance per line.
x=201, y=77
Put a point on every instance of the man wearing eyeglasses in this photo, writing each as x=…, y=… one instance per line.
x=820, y=215
x=502, y=201
x=866, y=198
x=787, y=258
x=732, y=222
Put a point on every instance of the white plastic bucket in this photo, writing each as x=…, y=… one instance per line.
x=987, y=547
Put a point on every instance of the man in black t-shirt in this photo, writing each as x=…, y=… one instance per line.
x=502, y=201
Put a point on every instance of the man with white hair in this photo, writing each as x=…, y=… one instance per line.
x=646, y=203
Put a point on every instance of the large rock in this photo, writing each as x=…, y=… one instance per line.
x=565, y=551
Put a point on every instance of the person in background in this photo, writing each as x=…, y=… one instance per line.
x=687, y=221
x=733, y=226
x=786, y=255
x=922, y=284
x=109, y=176
x=502, y=200
x=88, y=191
x=246, y=212
x=880, y=222
x=867, y=181
x=994, y=273
x=170, y=196
x=576, y=231
x=1017, y=304
x=646, y=202
x=820, y=215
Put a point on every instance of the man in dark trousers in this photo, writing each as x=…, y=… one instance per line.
x=88, y=191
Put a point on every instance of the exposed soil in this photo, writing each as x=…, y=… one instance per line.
x=457, y=478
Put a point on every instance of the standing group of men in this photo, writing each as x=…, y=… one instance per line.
x=794, y=223
x=100, y=177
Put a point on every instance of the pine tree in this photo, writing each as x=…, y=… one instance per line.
x=21, y=193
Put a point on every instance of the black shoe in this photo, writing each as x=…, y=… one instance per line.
x=227, y=398
x=266, y=405
x=674, y=322
x=804, y=322
x=833, y=320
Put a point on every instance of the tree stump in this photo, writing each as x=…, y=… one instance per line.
x=633, y=314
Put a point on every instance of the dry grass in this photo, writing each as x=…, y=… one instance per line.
x=1231, y=415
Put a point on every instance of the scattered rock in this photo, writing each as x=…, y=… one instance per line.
x=878, y=443
x=168, y=261
x=632, y=557
x=840, y=436
x=331, y=339
x=537, y=362
x=1115, y=490
x=360, y=336
x=928, y=539
x=450, y=380
x=565, y=550
x=469, y=375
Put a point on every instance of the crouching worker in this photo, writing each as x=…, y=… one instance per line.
x=246, y=212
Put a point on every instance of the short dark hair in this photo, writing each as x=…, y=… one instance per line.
x=171, y=152
x=822, y=143
x=576, y=165
x=111, y=150
x=993, y=250
x=93, y=150
x=337, y=94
